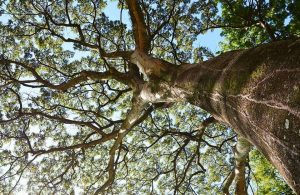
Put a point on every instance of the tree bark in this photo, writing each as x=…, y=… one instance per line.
x=257, y=93
x=241, y=156
x=254, y=91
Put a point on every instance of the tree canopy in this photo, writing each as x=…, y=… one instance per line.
x=71, y=120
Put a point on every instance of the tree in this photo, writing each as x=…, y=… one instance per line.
x=266, y=175
x=105, y=106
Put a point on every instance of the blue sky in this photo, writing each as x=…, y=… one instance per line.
x=211, y=40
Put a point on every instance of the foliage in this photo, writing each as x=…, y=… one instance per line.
x=266, y=176
x=68, y=95
x=249, y=23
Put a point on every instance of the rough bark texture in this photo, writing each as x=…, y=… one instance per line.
x=257, y=93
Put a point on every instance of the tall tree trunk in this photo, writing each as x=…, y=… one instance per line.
x=257, y=93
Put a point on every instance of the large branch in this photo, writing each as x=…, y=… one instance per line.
x=60, y=119
x=76, y=146
x=136, y=115
x=77, y=78
x=115, y=54
x=150, y=66
x=141, y=32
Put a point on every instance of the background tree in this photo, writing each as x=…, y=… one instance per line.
x=97, y=105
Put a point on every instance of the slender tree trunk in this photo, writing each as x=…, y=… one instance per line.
x=257, y=93
x=241, y=156
x=237, y=175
